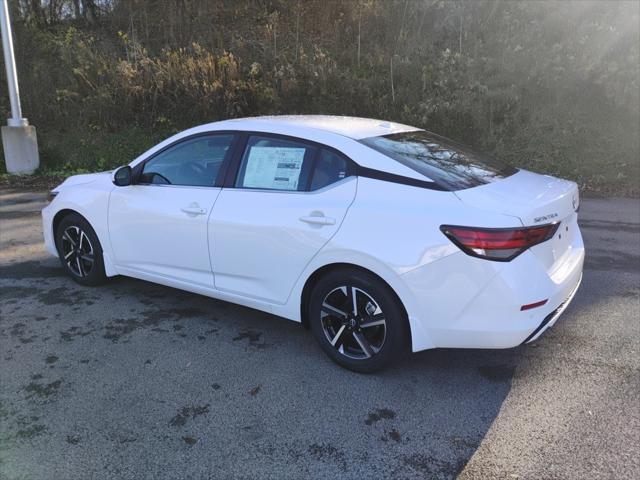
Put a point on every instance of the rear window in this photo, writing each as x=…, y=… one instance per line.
x=447, y=163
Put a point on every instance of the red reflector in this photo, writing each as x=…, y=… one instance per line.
x=532, y=305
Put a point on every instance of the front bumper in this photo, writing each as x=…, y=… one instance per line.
x=47, y=230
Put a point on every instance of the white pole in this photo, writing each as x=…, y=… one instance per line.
x=19, y=140
x=16, y=119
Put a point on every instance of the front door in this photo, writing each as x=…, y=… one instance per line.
x=159, y=225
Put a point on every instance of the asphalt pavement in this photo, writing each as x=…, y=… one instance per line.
x=133, y=380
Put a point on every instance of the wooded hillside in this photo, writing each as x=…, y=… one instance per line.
x=552, y=86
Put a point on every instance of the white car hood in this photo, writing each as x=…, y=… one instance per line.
x=81, y=179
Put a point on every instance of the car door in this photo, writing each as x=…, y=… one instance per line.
x=158, y=226
x=287, y=198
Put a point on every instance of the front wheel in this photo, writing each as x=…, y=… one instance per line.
x=79, y=250
x=357, y=320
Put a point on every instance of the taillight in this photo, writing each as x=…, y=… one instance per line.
x=500, y=244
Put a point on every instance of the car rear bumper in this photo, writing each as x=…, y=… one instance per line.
x=466, y=302
x=550, y=319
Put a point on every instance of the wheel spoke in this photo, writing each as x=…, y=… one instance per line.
x=330, y=310
x=82, y=237
x=87, y=258
x=354, y=300
x=373, y=321
x=364, y=344
x=68, y=238
x=338, y=336
x=71, y=252
x=80, y=269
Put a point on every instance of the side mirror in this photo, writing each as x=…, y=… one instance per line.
x=122, y=177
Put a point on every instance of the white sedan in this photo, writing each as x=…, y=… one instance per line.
x=379, y=237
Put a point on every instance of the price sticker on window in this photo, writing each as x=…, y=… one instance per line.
x=273, y=168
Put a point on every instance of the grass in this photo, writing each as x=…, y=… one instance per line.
x=70, y=153
x=67, y=153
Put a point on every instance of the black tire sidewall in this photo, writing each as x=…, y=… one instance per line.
x=97, y=275
x=396, y=335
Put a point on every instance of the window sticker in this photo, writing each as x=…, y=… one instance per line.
x=273, y=167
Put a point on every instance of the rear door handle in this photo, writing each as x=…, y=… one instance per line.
x=318, y=220
x=193, y=210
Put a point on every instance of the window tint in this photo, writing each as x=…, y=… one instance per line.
x=275, y=164
x=330, y=167
x=193, y=162
x=448, y=164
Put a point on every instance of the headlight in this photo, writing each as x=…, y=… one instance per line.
x=52, y=194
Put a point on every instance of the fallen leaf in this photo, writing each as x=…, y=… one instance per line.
x=254, y=391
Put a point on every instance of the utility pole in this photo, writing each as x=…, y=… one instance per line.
x=18, y=137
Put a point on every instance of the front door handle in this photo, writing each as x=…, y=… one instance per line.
x=193, y=210
x=318, y=220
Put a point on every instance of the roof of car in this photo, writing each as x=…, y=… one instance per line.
x=352, y=127
x=341, y=133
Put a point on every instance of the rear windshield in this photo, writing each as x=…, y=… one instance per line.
x=447, y=163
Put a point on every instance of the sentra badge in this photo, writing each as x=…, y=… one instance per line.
x=545, y=217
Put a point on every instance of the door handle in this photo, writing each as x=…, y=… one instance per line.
x=193, y=210
x=318, y=220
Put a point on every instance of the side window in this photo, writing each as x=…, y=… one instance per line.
x=330, y=168
x=275, y=164
x=194, y=162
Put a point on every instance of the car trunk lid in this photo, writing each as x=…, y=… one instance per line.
x=535, y=199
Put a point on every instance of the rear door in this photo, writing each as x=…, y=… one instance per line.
x=286, y=198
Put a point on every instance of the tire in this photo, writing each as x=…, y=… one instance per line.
x=371, y=339
x=79, y=250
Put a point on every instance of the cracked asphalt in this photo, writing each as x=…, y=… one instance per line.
x=133, y=380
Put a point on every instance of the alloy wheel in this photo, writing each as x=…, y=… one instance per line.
x=353, y=322
x=77, y=251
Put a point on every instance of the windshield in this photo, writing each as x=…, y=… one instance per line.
x=448, y=164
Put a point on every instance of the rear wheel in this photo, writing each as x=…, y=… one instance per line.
x=79, y=250
x=357, y=320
